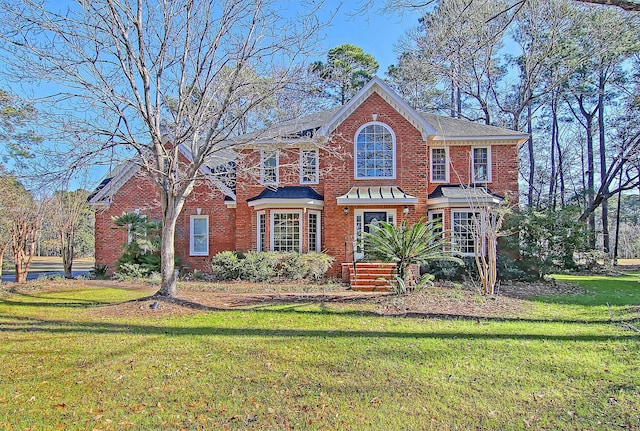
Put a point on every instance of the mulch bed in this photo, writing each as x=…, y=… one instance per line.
x=438, y=302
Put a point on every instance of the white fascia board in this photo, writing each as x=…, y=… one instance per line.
x=114, y=184
x=287, y=203
x=231, y=204
x=397, y=102
x=520, y=139
x=279, y=142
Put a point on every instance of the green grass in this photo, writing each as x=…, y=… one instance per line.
x=574, y=363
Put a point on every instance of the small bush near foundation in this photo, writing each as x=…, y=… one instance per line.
x=266, y=266
x=226, y=265
x=258, y=266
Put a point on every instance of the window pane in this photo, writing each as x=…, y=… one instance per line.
x=314, y=238
x=286, y=232
x=262, y=232
x=199, y=235
x=309, y=166
x=464, y=231
x=480, y=164
x=269, y=167
x=438, y=164
x=374, y=152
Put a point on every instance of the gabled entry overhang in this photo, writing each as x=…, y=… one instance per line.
x=376, y=195
x=287, y=197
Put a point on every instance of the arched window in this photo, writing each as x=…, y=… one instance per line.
x=375, y=152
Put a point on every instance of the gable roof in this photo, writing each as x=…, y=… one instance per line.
x=377, y=85
x=436, y=127
x=112, y=182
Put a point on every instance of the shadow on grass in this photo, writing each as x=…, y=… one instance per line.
x=66, y=327
x=46, y=301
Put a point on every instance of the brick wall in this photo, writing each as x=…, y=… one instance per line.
x=140, y=194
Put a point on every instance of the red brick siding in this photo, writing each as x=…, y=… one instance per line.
x=235, y=229
x=140, y=193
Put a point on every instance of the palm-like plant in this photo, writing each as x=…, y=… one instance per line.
x=407, y=245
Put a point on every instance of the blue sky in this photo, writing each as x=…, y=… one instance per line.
x=376, y=33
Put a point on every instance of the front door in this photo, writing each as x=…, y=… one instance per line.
x=364, y=219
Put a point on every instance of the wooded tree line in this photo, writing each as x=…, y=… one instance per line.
x=560, y=70
x=130, y=74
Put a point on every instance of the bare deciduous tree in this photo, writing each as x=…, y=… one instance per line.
x=22, y=215
x=156, y=77
x=66, y=210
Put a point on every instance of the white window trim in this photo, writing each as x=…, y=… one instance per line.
x=259, y=245
x=355, y=152
x=473, y=167
x=441, y=213
x=192, y=252
x=453, y=232
x=271, y=223
x=318, y=247
x=317, y=167
x=446, y=165
x=263, y=157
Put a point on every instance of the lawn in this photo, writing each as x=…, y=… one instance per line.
x=565, y=362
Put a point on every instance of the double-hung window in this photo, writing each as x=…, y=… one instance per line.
x=375, y=148
x=481, y=164
x=439, y=165
x=309, y=166
x=199, y=235
x=269, y=167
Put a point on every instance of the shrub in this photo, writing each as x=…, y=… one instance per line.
x=317, y=265
x=266, y=266
x=99, y=272
x=292, y=266
x=449, y=270
x=131, y=270
x=226, y=265
x=259, y=266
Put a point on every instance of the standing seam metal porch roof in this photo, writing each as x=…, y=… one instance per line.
x=376, y=195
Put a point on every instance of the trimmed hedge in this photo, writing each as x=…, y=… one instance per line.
x=267, y=266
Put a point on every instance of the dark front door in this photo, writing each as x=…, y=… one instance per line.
x=373, y=218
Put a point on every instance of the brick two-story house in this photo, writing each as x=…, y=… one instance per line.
x=325, y=177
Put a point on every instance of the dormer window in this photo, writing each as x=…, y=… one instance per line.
x=375, y=150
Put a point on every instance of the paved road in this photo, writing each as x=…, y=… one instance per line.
x=35, y=275
x=51, y=266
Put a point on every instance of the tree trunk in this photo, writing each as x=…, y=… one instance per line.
x=1, y=261
x=590, y=174
x=532, y=160
x=552, y=157
x=603, y=162
x=67, y=239
x=172, y=206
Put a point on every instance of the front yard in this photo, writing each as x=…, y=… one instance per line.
x=83, y=355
